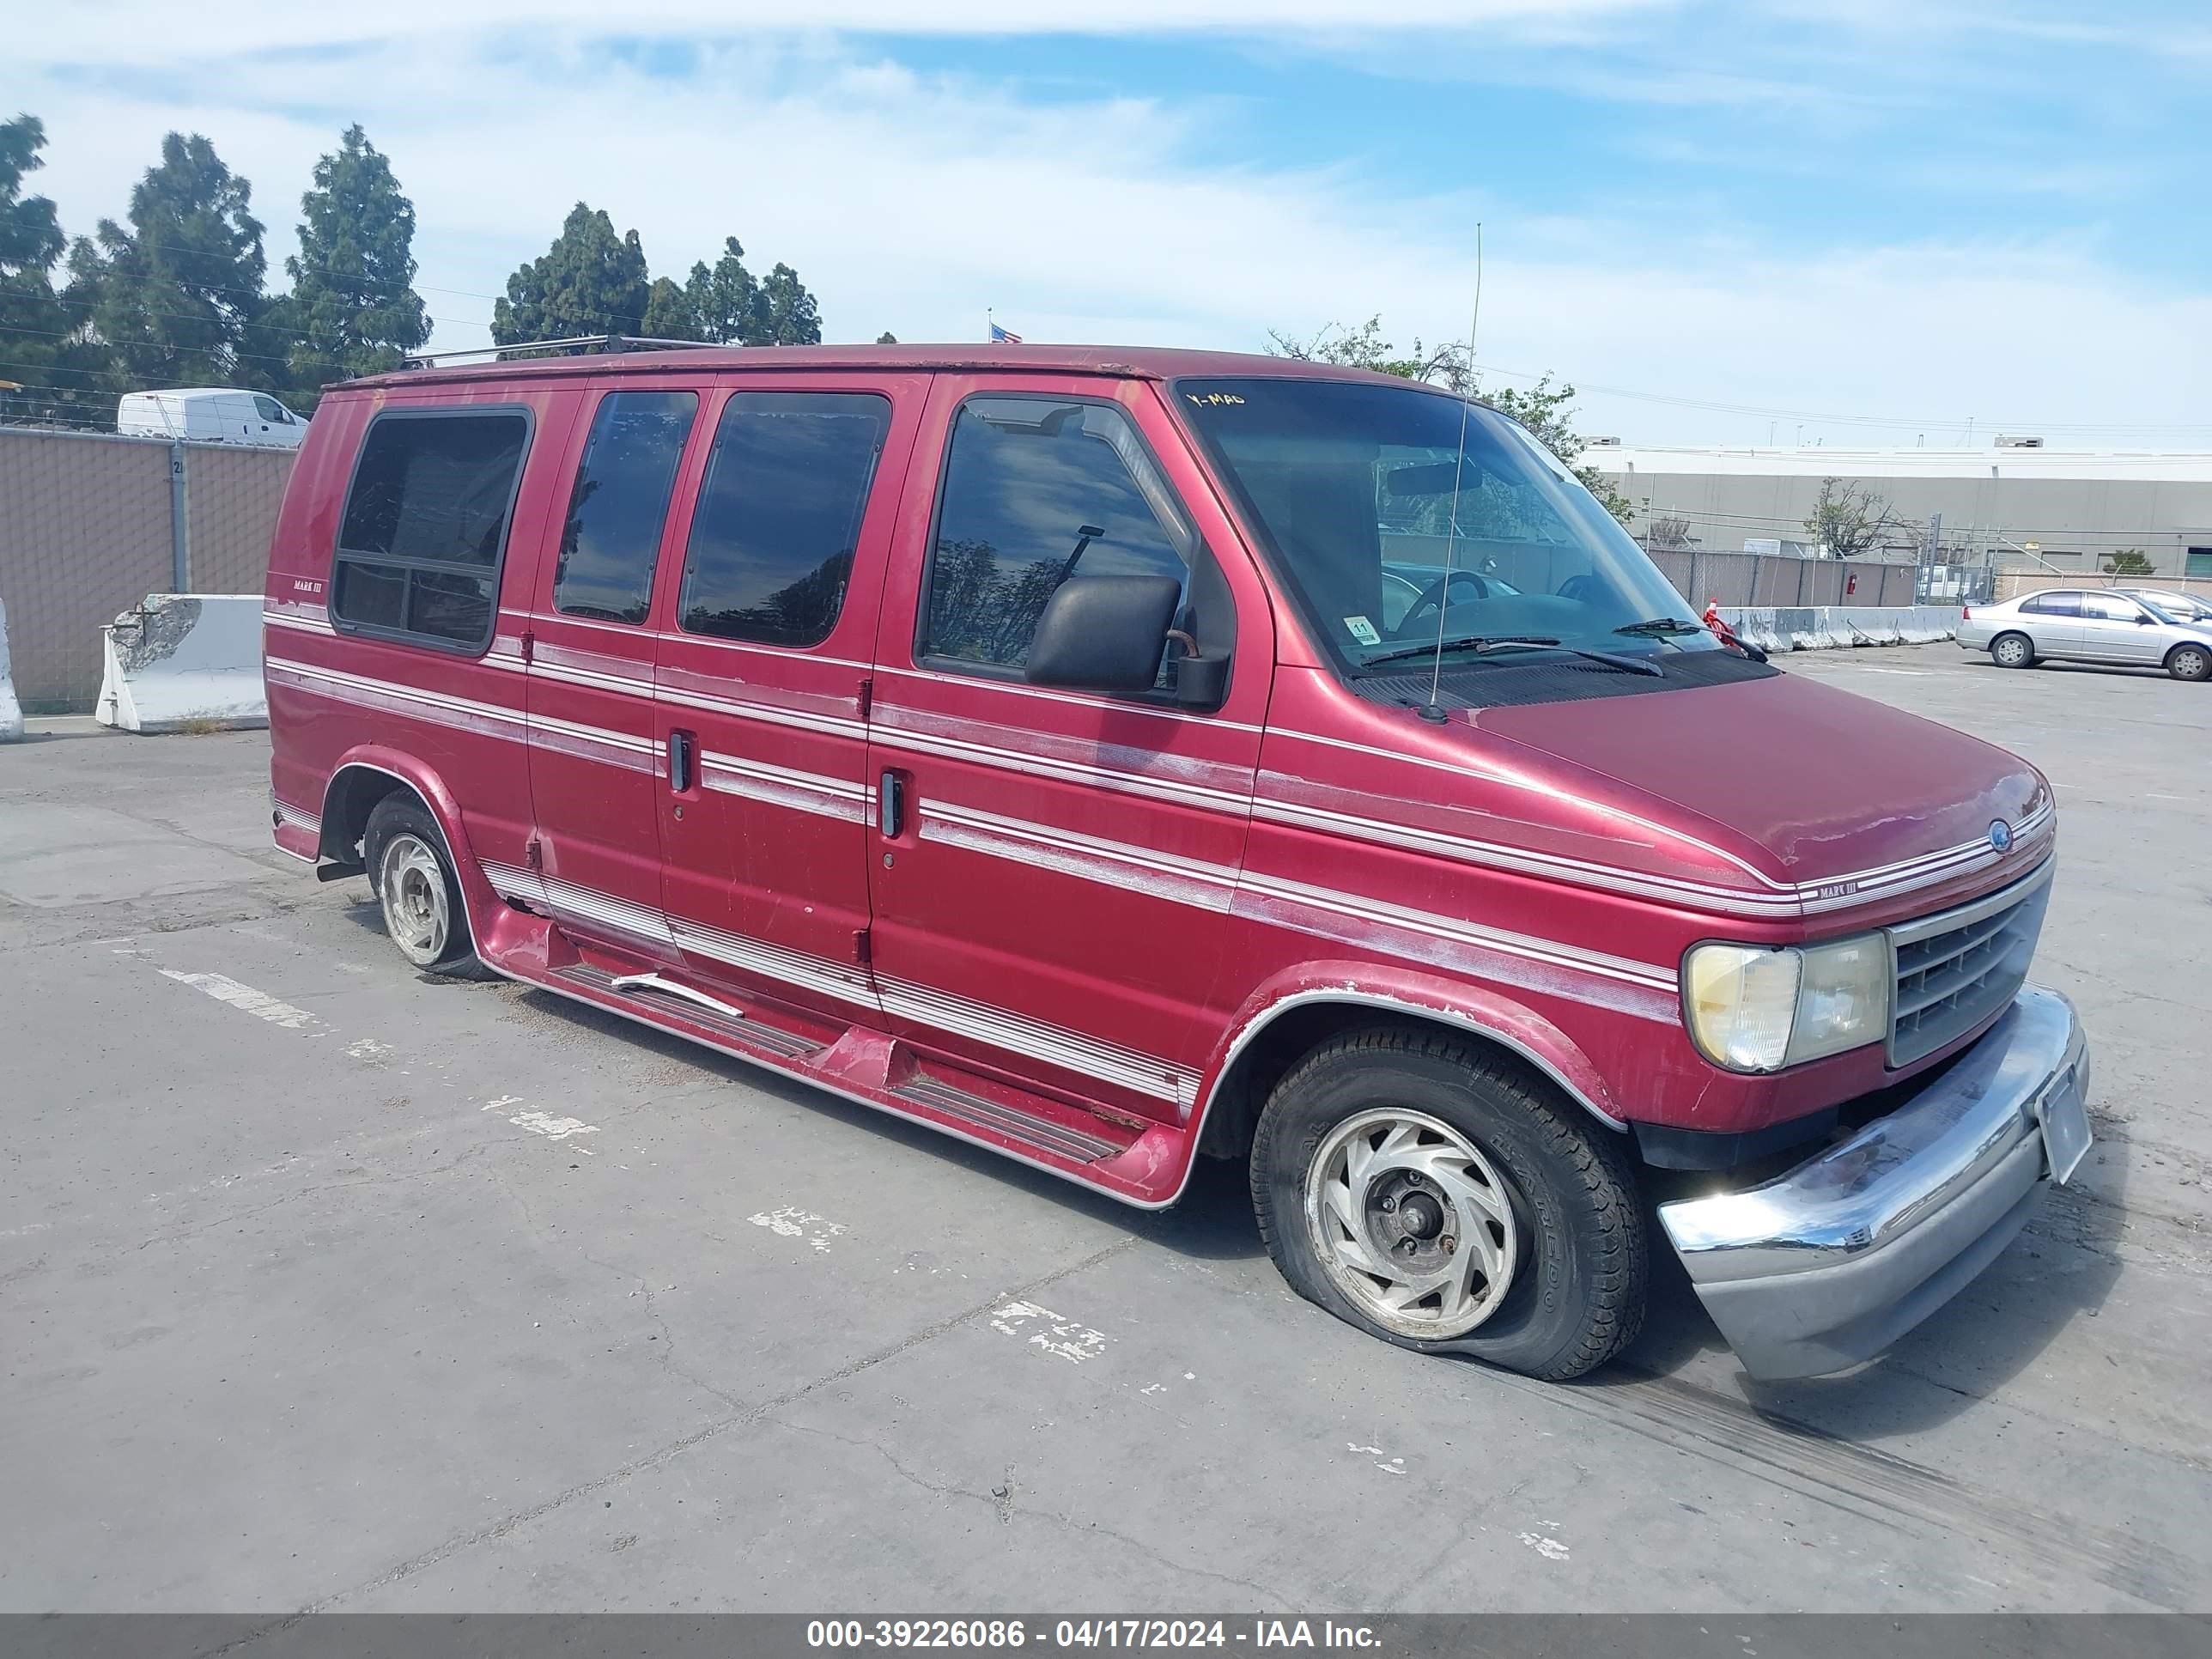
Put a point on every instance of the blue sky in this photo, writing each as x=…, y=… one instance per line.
x=1833, y=221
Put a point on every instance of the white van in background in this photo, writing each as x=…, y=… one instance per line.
x=209, y=414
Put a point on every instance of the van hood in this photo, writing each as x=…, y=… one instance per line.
x=1835, y=790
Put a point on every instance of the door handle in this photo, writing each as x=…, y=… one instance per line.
x=890, y=805
x=681, y=748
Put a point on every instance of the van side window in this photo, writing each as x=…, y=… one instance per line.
x=271, y=410
x=1036, y=491
x=425, y=525
x=611, y=539
x=779, y=515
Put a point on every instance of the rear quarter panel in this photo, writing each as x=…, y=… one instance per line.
x=335, y=696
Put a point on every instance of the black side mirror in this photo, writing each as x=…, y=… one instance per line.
x=1201, y=682
x=1103, y=632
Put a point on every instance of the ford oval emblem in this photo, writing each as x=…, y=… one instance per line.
x=2000, y=836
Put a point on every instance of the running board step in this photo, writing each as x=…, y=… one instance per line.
x=701, y=1009
x=940, y=1096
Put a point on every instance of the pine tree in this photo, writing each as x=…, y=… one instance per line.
x=669, y=313
x=787, y=314
x=353, y=308
x=55, y=371
x=724, y=298
x=589, y=281
x=171, y=296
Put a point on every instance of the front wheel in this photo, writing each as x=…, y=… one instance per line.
x=2012, y=651
x=1439, y=1195
x=2189, y=662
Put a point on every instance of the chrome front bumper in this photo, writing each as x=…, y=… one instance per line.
x=1831, y=1263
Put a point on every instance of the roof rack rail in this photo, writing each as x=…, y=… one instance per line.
x=575, y=345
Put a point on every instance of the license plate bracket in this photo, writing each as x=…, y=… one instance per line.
x=2063, y=1116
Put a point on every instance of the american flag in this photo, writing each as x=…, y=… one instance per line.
x=1003, y=336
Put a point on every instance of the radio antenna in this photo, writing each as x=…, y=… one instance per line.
x=1433, y=711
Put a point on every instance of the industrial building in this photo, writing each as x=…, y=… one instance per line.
x=2015, y=504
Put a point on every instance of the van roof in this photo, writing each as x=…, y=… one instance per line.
x=1140, y=363
x=199, y=392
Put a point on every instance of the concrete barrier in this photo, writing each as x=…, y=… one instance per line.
x=184, y=662
x=1834, y=626
x=11, y=712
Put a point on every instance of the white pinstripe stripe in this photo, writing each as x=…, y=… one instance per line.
x=999, y=1028
x=1140, y=1073
x=304, y=622
x=1125, y=868
x=1777, y=899
x=774, y=962
x=297, y=818
x=567, y=898
x=1216, y=800
x=1549, y=952
x=802, y=791
x=487, y=720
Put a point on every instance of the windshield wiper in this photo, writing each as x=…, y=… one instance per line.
x=1660, y=628
x=1474, y=642
x=1481, y=643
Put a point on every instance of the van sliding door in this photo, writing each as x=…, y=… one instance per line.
x=590, y=651
x=762, y=686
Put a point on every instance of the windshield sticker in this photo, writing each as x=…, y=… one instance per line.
x=1210, y=399
x=1363, y=630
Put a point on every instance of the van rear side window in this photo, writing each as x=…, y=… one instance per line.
x=425, y=525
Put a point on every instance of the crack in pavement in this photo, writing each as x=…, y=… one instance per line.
x=1459, y=1540
x=1005, y=1508
x=675, y=1449
x=199, y=1227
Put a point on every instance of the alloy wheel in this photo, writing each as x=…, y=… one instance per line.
x=1413, y=1222
x=412, y=883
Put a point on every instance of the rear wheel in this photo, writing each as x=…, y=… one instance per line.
x=1441, y=1196
x=2189, y=662
x=2012, y=651
x=416, y=890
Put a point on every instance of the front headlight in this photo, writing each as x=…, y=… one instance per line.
x=1756, y=1008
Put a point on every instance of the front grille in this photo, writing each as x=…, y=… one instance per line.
x=1959, y=967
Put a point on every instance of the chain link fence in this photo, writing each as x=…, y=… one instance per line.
x=91, y=523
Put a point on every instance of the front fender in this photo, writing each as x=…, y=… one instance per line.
x=1408, y=990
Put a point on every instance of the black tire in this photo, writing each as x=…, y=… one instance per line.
x=400, y=821
x=2189, y=661
x=2012, y=651
x=1575, y=1295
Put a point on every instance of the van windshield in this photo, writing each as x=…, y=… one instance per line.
x=1391, y=532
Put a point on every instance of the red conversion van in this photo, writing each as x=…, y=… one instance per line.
x=1114, y=756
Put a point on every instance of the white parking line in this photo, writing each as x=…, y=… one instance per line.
x=542, y=1123
x=791, y=1222
x=1060, y=1336
x=259, y=1003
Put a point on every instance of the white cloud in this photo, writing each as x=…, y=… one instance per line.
x=911, y=202
x=158, y=32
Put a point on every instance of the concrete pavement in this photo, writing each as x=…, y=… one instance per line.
x=326, y=1285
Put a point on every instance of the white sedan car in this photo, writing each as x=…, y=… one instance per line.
x=2093, y=625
